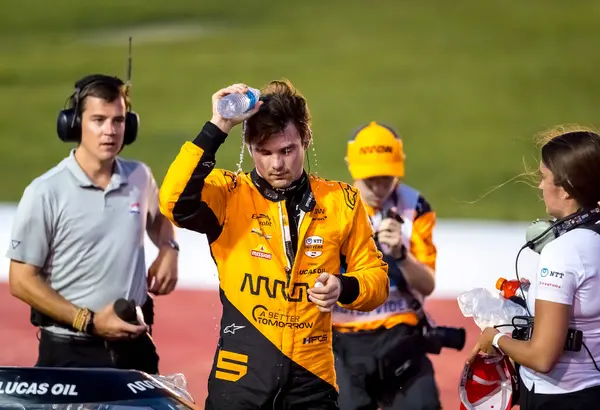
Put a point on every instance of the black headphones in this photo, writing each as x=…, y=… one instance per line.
x=541, y=232
x=68, y=123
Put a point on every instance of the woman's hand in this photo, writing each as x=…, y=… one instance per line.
x=484, y=344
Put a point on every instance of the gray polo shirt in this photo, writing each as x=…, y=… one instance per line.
x=89, y=243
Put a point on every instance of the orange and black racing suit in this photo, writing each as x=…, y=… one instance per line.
x=373, y=349
x=269, y=247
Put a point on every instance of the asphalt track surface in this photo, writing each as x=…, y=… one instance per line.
x=186, y=332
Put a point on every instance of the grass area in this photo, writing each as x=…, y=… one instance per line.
x=467, y=84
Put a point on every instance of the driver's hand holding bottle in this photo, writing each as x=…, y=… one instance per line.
x=226, y=124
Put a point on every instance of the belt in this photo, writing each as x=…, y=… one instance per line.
x=72, y=338
x=400, y=327
x=81, y=339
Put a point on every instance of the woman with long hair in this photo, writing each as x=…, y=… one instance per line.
x=564, y=295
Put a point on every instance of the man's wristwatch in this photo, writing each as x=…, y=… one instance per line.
x=171, y=243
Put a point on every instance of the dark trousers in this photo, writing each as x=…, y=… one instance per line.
x=291, y=397
x=265, y=380
x=586, y=399
x=365, y=367
x=72, y=351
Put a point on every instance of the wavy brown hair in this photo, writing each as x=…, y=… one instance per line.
x=282, y=104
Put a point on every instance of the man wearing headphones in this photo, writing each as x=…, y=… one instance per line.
x=380, y=359
x=77, y=242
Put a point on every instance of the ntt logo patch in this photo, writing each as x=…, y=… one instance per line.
x=313, y=246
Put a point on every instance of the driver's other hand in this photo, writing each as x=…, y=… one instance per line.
x=109, y=326
x=326, y=294
x=226, y=124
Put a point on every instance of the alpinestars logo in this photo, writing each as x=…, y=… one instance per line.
x=232, y=328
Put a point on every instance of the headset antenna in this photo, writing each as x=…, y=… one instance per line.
x=129, y=64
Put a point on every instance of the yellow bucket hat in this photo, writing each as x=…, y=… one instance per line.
x=375, y=150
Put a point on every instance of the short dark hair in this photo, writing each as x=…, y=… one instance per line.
x=573, y=156
x=101, y=86
x=283, y=104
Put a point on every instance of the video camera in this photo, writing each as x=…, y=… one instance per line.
x=435, y=337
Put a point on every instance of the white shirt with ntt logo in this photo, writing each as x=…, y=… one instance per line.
x=569, y=273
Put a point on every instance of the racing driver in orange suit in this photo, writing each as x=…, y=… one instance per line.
x=280, y=238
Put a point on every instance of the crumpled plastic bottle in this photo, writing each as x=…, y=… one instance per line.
x=490, y=309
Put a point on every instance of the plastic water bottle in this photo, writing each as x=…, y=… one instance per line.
x=510, y=288
x=235, y=105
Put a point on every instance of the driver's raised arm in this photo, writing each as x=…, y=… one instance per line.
x=194, y=194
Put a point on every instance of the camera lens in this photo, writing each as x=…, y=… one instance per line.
x=452, y=337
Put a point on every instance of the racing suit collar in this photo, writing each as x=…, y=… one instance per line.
x=300, y=186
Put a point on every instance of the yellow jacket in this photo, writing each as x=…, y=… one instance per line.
x=262, y=284
x=417, y=231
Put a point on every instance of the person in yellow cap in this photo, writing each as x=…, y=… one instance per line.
x=381, y=359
